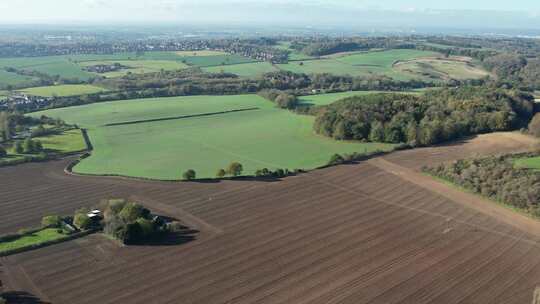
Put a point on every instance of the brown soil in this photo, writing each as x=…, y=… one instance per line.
x=375, y=232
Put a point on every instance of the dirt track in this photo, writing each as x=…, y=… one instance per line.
x=366, y=233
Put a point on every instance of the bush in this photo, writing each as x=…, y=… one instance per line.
x=235, y=169
x=3, y=152
x=111, y=207
x=534, y=125
x=495, y=178
x=82, y=221
x=132, y=211
x=221, y=173
x=336, y=159
x=51, y=221
x=175, y=226
x=189, y=174
x=18, y=147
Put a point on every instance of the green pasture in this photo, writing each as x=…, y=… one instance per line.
x=253, y=69
x=138, y=66
x=528, y=162
x=35, y=238
x=384, y=59
x=442, y=69
x=72, y=66
x=200, y=53
x=63, y=90
x=262, y=137
x=67, y=142
x=7, y=78
x=326, y=99
x=220, y=60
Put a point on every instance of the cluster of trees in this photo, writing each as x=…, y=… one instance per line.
x=130, y=222
x=426, y=119
x=497, y=179
x=513, y=70
x=234, y=169
x=278, y=173
x=321, y=46
x=12, y=122
x=28, y=146
x=282, y=99
x=39, y=79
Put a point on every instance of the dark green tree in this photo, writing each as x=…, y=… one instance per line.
x=189, y=175
x=52, y=221
x=377, y=132
x=235, y=169
x=221, y=173
x=18, y=147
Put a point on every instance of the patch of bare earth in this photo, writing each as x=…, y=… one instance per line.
x=366, y=233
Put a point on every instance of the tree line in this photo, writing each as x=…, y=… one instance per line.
x=426, y=119
x=496, y=178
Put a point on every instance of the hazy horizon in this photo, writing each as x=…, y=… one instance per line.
x=313, y=13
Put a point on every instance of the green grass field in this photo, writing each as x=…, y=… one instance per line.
x=398, y=64
x=7, y=78
x=72, y=66
x=253, y=69
x=384, y=59
x=442, y=69
x=51, y=65
x=41, y=236
x=331, y=66
x=529, y=163
x=220, y=60
x=138, y=66
x=63, y=90
x=264, y=137
x=68, y=142
x=359, y=64
x=326, y=99
x=200, y=53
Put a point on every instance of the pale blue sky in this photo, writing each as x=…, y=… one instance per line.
x=308, y=12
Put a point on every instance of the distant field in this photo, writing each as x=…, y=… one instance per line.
x=262, y=137
x=442, y=69
x=359, y=64
x=200, y=53
x=325, y=99
x=384, y=58
x=397, y=64
x=138, y=66
x=253, y=69
x=51, y=65
x=72, y=66
x=220, y=60
x=324, y=66
x=294, y=54
x=64, y=90
x=7, y=78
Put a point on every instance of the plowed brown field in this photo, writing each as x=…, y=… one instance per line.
x=375, y=232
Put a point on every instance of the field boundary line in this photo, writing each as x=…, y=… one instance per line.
x=465, y=199
x=177, y=117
